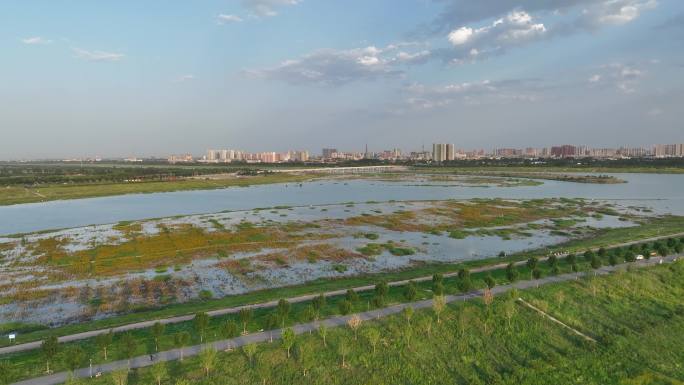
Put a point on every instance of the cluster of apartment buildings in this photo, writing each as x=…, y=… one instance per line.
x=228, y=156
x=441, y=152
x=571, y=151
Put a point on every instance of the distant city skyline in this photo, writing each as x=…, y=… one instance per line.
x=125, y=79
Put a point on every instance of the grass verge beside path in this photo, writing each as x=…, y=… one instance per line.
x=28, y=363
x=482, y=341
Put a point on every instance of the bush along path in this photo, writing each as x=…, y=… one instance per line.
x=228, y=344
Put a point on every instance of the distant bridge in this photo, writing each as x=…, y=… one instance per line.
x=345, y=170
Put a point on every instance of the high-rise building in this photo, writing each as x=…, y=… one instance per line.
x=450, y=152
x=328, y=153
x=438, y=152
x=564, y=151
x=442, y=152
x=668, y=150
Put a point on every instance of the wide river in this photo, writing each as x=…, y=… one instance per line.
x=664, y=193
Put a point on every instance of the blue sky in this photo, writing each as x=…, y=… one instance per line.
x=84, y=78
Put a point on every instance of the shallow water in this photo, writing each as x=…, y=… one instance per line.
x=663, y=193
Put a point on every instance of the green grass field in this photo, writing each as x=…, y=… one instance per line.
x=636, y=317
x=10, y=195
x=28, y=364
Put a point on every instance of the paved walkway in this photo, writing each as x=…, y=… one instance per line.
x=172, y=355
x=274, y=303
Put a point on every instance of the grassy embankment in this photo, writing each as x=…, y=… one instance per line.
x=558, y=174
x=636, y=317
x=28, y=364
x=10, y=195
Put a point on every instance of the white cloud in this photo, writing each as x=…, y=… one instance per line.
x=36, y=40
x=460, y=36
x=224, y=18
x=267, y=8
x=614, y=12
x=330, y=67
x=422, y=97
x=98, y=56
x=625, y=78
x=517, y=27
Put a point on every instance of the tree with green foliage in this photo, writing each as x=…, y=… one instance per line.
x=595, y=262
x=464, y=283
x=344, y=307
x=602, y=252
x=157, y=333
x=120, y=376
x=229, y=329
x=630, y=257
x=309, y=313
x=438, y=288
x=208, y=359
x=343, y=349
x=182, y=340
x=372, y=335
x=408, y=314
x=49, y=348
x=271, y=321
x=552, y=261
x=352, y=296
x=304, y=355
x=532, y=263
x=250, y=350
x=490, y=281
x=323, y=332
x=438, y=284
x=511, y=272
x=438, y=306
x=613, y=259
x=410, y=291
x=104, y=341
x=129, y=345
x=663, y=251
x=437, y=278
x=381, y=289
x=283, y=311
x=201, y=322
x=425, y=324
x=588, y=255
x=378, y=301
x=288, y=338
x=245, y=314
x=571, y=259
x=509, y=310
x=73, y=357
x=159, y=372
x=536, y=273
x=318, y=304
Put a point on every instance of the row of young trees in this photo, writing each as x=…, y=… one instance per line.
x=128, y=345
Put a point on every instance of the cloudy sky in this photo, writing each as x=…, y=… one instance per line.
x=131, y=77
